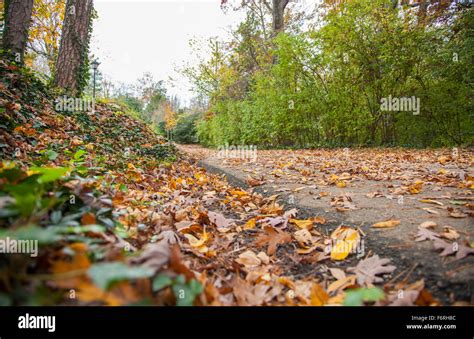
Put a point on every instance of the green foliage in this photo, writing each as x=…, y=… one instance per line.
x=185, y=131
x=184, y=292
x=327, y=84
x=160, y=152
x=359, y=296
x=106, y=274
x=39, y=198
x=134, y=105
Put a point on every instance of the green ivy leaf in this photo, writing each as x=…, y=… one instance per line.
x=161, y=281
x=52, y=155
x=105, y=275
x=185, y=294
x=50, y=174
x=44, y=236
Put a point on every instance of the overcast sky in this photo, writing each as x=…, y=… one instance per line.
x=132, y=37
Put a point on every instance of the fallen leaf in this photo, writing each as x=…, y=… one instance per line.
x=430, y=201
x=250, y=224
x=451, y=248
x=341, y=284
x=304, y=238
x=425, y=234
x=318, y=297
x=387, y=224
x=248, y=259
x=273, y=238
x=154, y=255
x=428, y=224
x=343, y=241
x=368, y=270
x=219, y=219
x=449, y=233
x=306, y=224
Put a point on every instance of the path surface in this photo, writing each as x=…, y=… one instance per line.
x=364, y=187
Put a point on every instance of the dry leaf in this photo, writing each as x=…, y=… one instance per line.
x=248, y=259
x=449, y=233
x=306, y=224
x=387, y=224
x=368, y=270
x=425, y=234
x=428, y=224
x=304, y=238
x=273, y=238
x=344, y=240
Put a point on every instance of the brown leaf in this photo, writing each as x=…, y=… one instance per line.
x=341, y=284
x=428, y=224
x=88, y=219
x=457, y=214
x=273, y=238
x=425, y=234
x=248, y=259
x=367, y=270
x=219, y=219
x=449, y=233
x=154, y=255
x=461, y=251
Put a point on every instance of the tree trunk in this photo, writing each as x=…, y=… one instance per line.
x=17, y=22
x=278, y=11
x=74, y=45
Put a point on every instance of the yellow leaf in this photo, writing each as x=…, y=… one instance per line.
x=443, y=159
x=250, y=225
x=319, y=297
x=196, y=242
x=387, y=224
x=306, y=224
x=341, y=250
x=430, y=201
x=345, y=239
x=416, y=187
x=238, y=193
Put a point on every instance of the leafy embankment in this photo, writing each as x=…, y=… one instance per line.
x=119, y=222
x=58, y=174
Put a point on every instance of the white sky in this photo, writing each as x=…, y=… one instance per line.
x=133, y=37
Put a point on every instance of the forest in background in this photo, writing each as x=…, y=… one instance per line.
x=301, y=77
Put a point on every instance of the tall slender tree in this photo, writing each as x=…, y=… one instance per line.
x=17, y=23
x=72, y=57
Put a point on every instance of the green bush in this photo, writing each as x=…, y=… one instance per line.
x=185, y=131
x=328, y=83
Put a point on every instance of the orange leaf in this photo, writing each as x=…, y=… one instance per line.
x=387, y=224
x=88, y=219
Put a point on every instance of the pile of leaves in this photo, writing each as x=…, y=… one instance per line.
x=121, y=219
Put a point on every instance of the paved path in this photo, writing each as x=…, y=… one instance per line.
x=364, y=187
